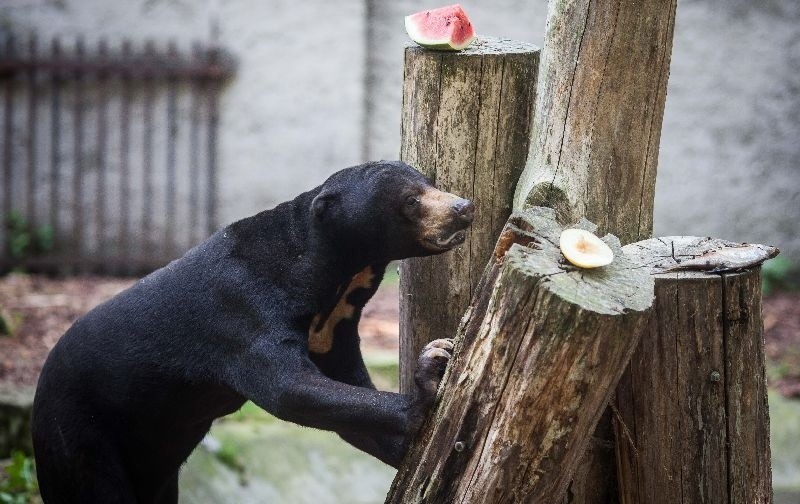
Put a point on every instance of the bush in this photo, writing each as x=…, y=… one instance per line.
x=25, y=240
x=778, y=274
x=18, y=483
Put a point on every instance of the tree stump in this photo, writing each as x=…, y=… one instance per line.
x=465, y=125
x=537, y=356
x=693, y=423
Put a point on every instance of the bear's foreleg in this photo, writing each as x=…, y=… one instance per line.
x=430, y=369
x=291, y=387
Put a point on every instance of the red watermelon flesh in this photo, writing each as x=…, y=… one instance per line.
x=445, y=28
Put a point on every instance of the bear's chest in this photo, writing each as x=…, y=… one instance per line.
x=344, y=311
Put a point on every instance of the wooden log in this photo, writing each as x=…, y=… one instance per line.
x=693, y=423
x=466, y=123
x=594, y=141
x=537, y=356
x=599, y=108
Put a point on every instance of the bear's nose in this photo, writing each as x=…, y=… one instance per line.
x=465, y=209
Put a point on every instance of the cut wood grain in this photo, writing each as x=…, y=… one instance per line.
x=537, y=356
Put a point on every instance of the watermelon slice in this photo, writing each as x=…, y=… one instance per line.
x=446, y=28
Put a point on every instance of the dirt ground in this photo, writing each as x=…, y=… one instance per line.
x=41, y=309
x=781, y=314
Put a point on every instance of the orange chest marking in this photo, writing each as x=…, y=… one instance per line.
x=320, y=334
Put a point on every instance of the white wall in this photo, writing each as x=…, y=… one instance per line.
x=312, y=96
x=292, y=115
x=730, y=148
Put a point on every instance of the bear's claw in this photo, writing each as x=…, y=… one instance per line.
x=444, y=343
x=432, y=364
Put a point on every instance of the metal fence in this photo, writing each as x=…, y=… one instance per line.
x=109, y=154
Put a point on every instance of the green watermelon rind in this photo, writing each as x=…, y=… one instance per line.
x=435, y=44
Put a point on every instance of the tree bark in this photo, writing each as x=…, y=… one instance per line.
x=599, y=107
x=465, y=125
x=594, y=142
x=693, y=423
x=537, y=356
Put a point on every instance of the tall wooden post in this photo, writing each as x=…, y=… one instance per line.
x=693, y=423
x=465, y=125
x=594, y=143
x=537, y=357
x=599, y=106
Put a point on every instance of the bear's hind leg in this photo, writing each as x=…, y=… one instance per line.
x=97, y=476
x=169, y=493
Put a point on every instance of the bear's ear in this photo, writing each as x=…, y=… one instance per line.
x=323, y=204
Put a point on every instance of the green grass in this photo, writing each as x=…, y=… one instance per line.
x=249, y=413
x=391, y=277
x=18, y=483
x=784, y=435
x=778, y=370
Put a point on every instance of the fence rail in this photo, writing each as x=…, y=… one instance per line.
x=109, y=155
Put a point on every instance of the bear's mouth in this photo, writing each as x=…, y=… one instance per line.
x=446, y=242
x=445, y=220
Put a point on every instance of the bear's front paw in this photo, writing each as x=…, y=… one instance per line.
x=431, y=365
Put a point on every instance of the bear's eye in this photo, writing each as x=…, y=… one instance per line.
x=412, y=201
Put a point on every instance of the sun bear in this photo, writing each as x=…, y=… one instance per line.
x=266, y=309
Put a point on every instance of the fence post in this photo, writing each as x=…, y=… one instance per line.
x=9, y=51
x=145, y=86
x=465, y=125
x=693, y=423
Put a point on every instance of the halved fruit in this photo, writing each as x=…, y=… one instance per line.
x=584, y=249
x=446, y=28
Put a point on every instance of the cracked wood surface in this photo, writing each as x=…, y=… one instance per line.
x=693, y=424
x=599, y=107
x=465, y=125
x=594, y=143
x=537, y=355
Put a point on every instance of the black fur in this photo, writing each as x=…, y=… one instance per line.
x=133, y=386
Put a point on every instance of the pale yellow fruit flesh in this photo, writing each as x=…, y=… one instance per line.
x=584, y=249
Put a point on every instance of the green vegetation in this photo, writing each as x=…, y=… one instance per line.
x=383, y=369
x=18, y=483
x=778, y=370
x=391, y=277
x=249, y=412
x=779, y=274
x=5, y=324
x=784, y=433
x=26, y=240
x=228, y=455
x=9, y=322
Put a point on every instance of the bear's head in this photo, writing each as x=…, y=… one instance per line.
x=387, y=210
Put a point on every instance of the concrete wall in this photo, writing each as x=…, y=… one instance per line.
x=292, y=116
x=318, y=88
x=730, y=148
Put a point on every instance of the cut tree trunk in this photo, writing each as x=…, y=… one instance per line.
x=465, y=125
x=537, y=356
x=693, y=423
x=594, y=143
x=599, y=107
